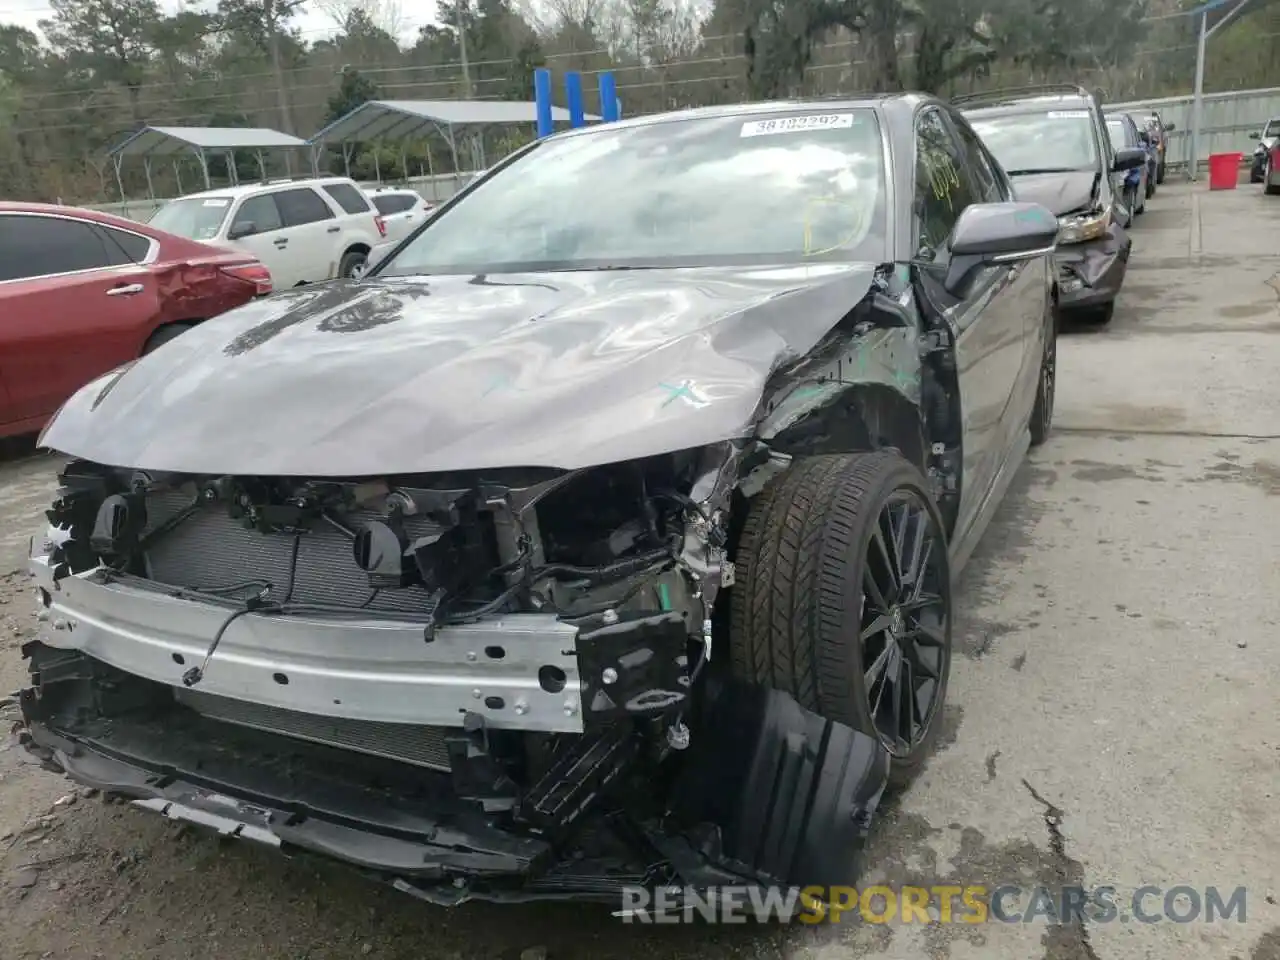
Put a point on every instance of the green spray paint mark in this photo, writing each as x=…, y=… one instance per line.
x=664, y=597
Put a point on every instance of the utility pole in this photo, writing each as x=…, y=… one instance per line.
x=462, y=48
x=273, y=12
x=1197, y=104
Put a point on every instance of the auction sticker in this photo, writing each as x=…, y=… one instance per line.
x=1068, y=114
x=814, y=121
x=217, y=202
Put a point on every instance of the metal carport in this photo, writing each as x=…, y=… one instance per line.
x=409, y=119
x=168, y=143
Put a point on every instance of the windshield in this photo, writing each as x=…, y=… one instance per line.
x=1272, y=128
x=197, y=218
x=1047, y=142
x=695, y=192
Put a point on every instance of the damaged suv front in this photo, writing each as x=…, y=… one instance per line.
x=424, y=573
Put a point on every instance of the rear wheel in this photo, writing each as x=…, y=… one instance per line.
x=843, y=599
x=1042, y=412
x=164, y=335
x=352, y=265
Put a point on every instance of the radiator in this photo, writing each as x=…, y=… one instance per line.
x=211, y=550
x=408, y=743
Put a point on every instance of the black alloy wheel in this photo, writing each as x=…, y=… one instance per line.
x=843, y=598
x=903, y=643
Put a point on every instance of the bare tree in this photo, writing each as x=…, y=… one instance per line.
x=387, y=15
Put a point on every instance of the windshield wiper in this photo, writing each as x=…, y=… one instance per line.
x=1026, y=171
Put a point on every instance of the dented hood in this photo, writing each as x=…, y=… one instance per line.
x=392, y=376
x=1061, y=193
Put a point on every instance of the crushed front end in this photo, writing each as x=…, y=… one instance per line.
x=496, y=686
x=1092, y=258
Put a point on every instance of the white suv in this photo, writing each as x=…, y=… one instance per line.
x=402, y=209
x=303, y=231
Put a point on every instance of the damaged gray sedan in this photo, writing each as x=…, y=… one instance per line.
x=603, y=535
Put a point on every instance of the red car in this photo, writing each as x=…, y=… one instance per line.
x=82, y=292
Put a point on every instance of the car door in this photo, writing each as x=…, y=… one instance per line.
x=73, y=305
x=1029, y=287
x=266, y=238
x=987, y=325
x=314, y=233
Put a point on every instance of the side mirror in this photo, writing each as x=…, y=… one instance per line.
x=1255, y=135
x=1144, y=137
x=1130, y=158
x=1169, y=127
x=988, y=233
x=245, y=228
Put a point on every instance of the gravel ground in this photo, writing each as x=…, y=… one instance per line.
x=1112, y=715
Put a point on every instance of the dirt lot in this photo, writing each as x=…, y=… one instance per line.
x=1113, y=717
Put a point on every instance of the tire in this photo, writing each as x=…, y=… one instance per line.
x=1160, y=173
x=1102, y=315
x=1151, y=187
x=1131, y=202
x=1042, y=411
x=804, y=621
x=351, y=261
x=163, y=335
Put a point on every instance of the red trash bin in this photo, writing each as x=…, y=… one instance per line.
x=1224, y=170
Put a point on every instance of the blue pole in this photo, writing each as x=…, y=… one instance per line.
x=573, y=94
x=608, y=98
x=542, y=101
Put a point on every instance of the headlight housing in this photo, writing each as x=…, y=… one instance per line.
x=1079, y=228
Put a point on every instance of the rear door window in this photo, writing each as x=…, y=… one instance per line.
x=302, y=206
x=260, y=213
x=134, y=247
x=37, y=246
x=348, y=197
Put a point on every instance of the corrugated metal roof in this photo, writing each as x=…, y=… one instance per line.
x=408, y=119
x=166, y=141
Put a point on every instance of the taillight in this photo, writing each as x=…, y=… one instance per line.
x=254, y=273
x=382, y=226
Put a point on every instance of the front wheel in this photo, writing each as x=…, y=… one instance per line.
x=1160, y=173
x=843, y=599
x=1270, y=188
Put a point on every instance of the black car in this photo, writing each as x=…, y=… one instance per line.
x=1158, y=133
x=1053, y=142
x=603, y=534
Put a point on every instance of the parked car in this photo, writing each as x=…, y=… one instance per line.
x=1053, y=143
x=1134, y=185
x=82, y=292
x=1159, y=132
x=402, y=209
x=1271, y=171
x=305, y=231
x=1267, y=138
x=468, y=573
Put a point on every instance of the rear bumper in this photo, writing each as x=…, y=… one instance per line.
x=1091, y=274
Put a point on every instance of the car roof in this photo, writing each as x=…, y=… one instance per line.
x=1028, y=103
x=244, y=189
x=82, y=213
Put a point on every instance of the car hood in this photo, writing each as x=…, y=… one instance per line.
x=1059, y=192
x=402, y=376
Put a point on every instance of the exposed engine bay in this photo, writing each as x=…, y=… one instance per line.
x=454, y=679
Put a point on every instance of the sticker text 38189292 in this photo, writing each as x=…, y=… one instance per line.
x=814, y=121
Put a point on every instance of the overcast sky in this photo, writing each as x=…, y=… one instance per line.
x=313, y=22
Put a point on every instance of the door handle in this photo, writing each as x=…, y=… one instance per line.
x=282, y=242
x=334, y=229
x=125, y=290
